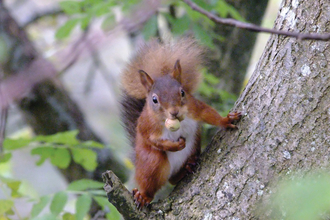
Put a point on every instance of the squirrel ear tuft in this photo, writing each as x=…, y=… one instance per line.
x=176, y=74
x=146, y=80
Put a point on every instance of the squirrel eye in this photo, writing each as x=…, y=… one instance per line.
x=154, y=99
x=182, y=93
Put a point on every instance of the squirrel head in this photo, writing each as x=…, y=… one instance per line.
x=166, y=96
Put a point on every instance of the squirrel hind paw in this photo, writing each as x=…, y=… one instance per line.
x=140, y=200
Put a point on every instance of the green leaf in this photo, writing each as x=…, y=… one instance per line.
x=83, y=205
x=14, y=186
x=13, y=144
x=61, y=158
x=204, y=4
x=58, y=203
x=235, y=14
x=92, y=144
x=205, y=89
x=84, y=22
x=68, y=216
x=222, y=8
x=85, y=157
x=70, y=7
x=150, y=28
x=48, y=216
x=5, y=206
x=5, y=157
x=193, y=15
x=84, y=184
x=102, y=201
x=38, y=207
x=180, y=25
x=99, y=192
x=210, y=78
x=101, y=8
x=106, y=205
x=65, y=30
x=203, y=36
x=108, y=22
x=67, y=137
x=43, y=152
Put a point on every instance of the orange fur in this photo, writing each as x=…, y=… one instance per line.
x=165, y=75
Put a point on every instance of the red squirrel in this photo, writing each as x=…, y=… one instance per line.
x=158, y=85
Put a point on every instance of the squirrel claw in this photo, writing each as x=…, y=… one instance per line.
x=233, y=116
x=140, y=200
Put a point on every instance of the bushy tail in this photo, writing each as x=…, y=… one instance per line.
x=131, y=109
x=158, y=59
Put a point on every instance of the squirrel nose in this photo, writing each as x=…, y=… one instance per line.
x=174, y=113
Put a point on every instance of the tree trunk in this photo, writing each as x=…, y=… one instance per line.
x=285, y=127
x=46, y=107
x=236, y=49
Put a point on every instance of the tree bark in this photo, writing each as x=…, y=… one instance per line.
x=231, y=64
x=285, y=127
x=46, y=106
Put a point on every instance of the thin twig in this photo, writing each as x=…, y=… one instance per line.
x=3, y=121
x=36, y=17
x=75, y=52
x=256, y=28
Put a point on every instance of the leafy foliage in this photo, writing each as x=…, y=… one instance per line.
x=7, y=205
x=84, y=191
x=197, y=24
x=82, y=12
x=39, y=206
x=58, y=148
x=224, y=99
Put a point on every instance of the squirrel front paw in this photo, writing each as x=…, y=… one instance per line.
x=178, y=145
x=140, y=199
x=182, y=143
x=232, y=116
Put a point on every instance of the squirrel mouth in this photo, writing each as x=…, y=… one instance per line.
x=181, y=118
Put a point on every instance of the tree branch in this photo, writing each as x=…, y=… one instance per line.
x=36, y=17
x=256, y=28
x=120, y=197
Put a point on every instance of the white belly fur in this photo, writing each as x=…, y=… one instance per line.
x=187, y=130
